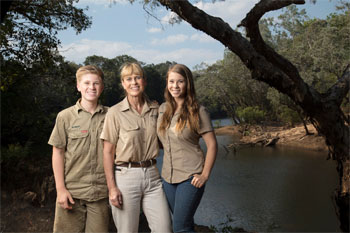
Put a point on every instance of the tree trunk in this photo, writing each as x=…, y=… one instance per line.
x=341, y=195
x=5, y=6
x=268, y=66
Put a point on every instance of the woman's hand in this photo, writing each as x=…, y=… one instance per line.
x=199, y=180
x=116, y=197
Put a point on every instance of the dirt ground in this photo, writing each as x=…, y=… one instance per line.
x=289, y=137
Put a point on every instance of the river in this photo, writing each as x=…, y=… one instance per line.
x=270, y=189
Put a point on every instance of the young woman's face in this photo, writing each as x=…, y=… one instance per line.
x=90, y=86
x=134, y=85
x=176, y=85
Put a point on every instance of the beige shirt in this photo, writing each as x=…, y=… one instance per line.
x=78, y=131
x=183, y=156
x=133, y=134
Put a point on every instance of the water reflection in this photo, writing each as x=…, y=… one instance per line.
x=270, y=189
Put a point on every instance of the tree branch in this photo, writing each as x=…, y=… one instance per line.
x=251, y=23
x=265, y=6
x=261, y=68
x=341, y=88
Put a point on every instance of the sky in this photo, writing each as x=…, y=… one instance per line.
x=121, y=28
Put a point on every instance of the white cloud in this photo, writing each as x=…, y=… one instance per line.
x=78, y=51
x=190, y=57
x=101, y=2
x=203, y=38
x=105, y=3
x=169, y=17
x=187, y=56
x=154, y=30
x=170, y=40
x=231, y=11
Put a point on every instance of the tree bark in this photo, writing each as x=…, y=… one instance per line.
x=268, y=66
x=5, y=6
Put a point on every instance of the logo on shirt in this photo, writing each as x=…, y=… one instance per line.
x=84, y=131
x=75, y=126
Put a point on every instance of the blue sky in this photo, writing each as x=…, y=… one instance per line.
x=123, y=28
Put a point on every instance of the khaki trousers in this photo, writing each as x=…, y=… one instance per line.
x=141, y=187
x=84, y=217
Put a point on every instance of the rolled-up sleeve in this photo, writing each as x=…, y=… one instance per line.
x=58, y=136
x=111, y=127
x=205, y=121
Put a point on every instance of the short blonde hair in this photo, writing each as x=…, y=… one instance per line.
x=89, y=69
x=130, y=68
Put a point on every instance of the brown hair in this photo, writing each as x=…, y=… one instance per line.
x=89, y=69
x=189, y=114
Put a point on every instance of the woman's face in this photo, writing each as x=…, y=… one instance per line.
x=176, y=85
x=134, y=85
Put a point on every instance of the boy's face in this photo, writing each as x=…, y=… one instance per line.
x=90, y=86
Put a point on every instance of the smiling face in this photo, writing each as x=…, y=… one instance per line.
x=134, y=85
x=176, y=85
x=90, y=86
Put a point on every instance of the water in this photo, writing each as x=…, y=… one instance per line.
x=222, y=122
x=270, y=189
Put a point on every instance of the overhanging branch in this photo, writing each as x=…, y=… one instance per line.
x=251, y=23
x=341, y=88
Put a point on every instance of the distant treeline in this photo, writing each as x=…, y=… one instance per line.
x=33, y=93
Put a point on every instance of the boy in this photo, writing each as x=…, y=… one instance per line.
x=77, y=159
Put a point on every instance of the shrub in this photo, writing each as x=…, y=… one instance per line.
x=251, y=115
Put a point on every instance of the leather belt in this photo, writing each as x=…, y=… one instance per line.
x=146, y=163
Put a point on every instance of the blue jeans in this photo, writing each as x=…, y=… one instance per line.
x=183, y=199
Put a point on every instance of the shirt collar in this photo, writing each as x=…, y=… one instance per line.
x=125, y=104
x=79, y=108
x=148, y=105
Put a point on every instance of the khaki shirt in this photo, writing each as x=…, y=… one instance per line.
x=183, y=156
x=78, y=131
x=133, y=134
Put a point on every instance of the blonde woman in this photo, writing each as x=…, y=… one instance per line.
x=130, y=151
x=181, y=123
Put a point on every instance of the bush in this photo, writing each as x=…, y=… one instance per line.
x=289, y=116
x=251, y=115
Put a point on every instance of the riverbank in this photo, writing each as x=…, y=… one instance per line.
x=288, y=137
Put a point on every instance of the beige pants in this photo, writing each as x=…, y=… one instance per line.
x=84, y=217
x=141, y=187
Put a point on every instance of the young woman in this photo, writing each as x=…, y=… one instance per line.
x=130, y=149
x=181, y=123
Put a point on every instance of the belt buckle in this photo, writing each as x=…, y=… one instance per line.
x=141, y=163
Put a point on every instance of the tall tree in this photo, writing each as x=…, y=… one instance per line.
x=28, y=30
x=270, y=67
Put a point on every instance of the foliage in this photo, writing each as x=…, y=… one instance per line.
x=32, y=97
x=284, y=108
x=29, y=31
x=251, y=115
x=113, y=91
x=289, y=116
x=226, y=85
x=320, y=48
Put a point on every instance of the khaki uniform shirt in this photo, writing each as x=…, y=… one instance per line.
x=133, y=134
x=183, y=156
x=78, y=132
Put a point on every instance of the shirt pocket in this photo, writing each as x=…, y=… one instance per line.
x=130, y=134
x=78, y=142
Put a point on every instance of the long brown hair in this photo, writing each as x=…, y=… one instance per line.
x=189, y=114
